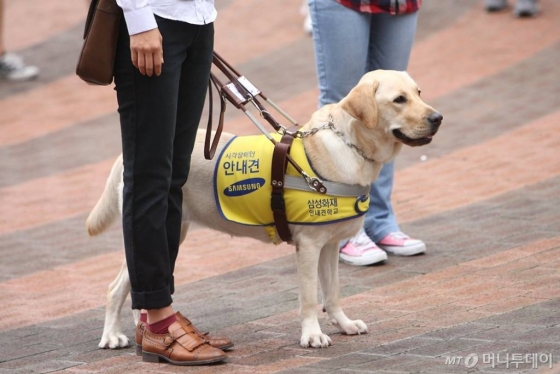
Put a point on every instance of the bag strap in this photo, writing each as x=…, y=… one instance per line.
x=89, y=18
x=107, y=6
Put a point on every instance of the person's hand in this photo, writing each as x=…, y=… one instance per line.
x=147, y=52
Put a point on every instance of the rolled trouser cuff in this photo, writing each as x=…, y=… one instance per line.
x=151, y=299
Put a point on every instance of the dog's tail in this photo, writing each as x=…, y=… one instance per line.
x=107, y=207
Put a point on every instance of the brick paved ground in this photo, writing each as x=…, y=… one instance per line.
x=486, y=202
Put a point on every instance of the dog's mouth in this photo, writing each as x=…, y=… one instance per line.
x=410, y=141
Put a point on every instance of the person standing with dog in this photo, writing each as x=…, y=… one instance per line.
x=162, y=68
x=369, y=35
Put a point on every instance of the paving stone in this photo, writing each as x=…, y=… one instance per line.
x=401, y=346
x=431, y=365
x=388, y=363
x=261, y=358
x=521, y=316
x=346, y=361
x=50, y=366
x=487, y=348
x=304, y=370
x=459, y=331
x=513, y=332
x=13, y=371
x=444, y=348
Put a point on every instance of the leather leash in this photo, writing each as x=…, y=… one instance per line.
x=210, y=150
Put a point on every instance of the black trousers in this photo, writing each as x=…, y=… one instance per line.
x=159, y=118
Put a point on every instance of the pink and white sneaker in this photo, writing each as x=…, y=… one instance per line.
x=400, y=244
x=361, y=251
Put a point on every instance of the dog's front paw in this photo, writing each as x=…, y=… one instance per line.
x=355, y=327
x=315, y=340
x=114, y=341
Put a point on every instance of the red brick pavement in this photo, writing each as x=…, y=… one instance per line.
x=485, y=203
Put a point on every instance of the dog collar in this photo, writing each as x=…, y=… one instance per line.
x=330, y=126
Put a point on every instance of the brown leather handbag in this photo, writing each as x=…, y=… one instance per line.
x=95, y=64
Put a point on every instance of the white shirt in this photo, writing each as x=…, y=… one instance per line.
x=139, y=14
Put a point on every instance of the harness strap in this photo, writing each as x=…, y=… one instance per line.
x=334, y=188
x=277, y=203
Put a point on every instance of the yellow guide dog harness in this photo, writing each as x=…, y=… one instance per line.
x=242, y=188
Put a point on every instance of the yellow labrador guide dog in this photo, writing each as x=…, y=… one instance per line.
x=346, y=143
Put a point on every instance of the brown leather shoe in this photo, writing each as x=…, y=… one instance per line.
x=222, y=343
x=181, y=346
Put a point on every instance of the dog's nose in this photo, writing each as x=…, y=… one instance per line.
x=435, y=119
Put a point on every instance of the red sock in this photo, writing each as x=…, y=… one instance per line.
x=160, y=327
x=144, y=317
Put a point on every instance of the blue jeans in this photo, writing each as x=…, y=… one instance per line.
x=348, y=44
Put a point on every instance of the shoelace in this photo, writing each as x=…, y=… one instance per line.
x=361, y=238
x=399, y=235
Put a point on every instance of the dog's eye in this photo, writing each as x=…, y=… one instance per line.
x=419, y=92
x=400, y=99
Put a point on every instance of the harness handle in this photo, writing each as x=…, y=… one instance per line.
x=238, y=92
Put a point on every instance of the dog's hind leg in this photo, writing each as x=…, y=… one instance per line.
x=328, y=275
x=307, y=258
x=118, y=290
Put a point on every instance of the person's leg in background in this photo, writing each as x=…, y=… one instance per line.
x=362, y=42
x=390, y=44
x=341, y=52
x=341, y=57
x=12, y=67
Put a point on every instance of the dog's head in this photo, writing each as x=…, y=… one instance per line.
x=390, y=101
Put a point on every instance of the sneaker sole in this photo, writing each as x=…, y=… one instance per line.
x=363, y=261
x=404, y=251
x=525, y=14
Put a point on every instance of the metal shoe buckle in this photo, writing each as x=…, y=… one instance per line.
x=168, y=340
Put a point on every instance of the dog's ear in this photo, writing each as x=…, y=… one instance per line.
x=360, y=103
